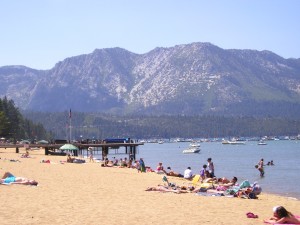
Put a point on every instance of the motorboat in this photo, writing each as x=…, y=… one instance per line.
x=262, y=143
x=191, y=150
x=194, y=145
x=233, y=142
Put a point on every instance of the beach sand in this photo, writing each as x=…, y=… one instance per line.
x=90, y=194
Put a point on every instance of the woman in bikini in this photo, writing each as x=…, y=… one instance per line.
x=282, y=216
x=9, y=178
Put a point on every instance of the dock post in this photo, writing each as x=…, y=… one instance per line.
x=46, y=151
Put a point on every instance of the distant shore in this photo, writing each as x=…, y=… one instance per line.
x=90, y=194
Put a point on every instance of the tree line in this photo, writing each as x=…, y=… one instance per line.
x=13, y=126
x=101, y=126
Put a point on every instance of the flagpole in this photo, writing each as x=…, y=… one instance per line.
x=70, y=118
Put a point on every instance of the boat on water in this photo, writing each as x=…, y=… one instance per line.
x=262, y=143
x=237, y=142
x=233, y=142
x=191, y=150
x=194, y=145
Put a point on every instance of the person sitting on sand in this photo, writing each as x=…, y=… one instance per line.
x=188, y=174
x=70, y=159
x=231, y=183
x=73, y=160
x=25, y=155
x=9, y=178
x=209, y=178
x=129, y=164
x=160, y=169
x=282, y=216
x=225, y=186
x=172, y=173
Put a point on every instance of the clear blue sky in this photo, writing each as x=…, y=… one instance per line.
x=40, y=33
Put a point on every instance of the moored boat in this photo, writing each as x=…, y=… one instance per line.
x=262, y=143
x=191, y=150
x=194, y=145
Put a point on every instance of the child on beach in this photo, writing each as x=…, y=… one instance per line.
x=202, y=172
x=282, y=216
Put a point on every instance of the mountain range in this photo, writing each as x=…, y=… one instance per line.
x=189, y=79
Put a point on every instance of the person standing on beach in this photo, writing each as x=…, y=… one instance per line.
x=142, y=165
x=91, y=156
x=211, y=167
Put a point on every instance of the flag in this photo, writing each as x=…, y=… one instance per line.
x=70, y=114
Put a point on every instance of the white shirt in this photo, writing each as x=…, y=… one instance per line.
x=188, y=173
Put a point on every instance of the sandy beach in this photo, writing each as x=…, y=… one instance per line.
x=70, y=193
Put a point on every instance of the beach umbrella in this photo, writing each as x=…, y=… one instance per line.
x=68, y=147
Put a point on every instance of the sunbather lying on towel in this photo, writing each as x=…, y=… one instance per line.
x=9, y=178
x=282, y=216
x=166, y=189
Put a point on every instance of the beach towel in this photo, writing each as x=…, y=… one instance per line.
x=209, y=194
x=245, y=184
x=196, y=179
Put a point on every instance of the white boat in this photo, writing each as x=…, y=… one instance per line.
x=262, y=143
x=191, y=150
x=194, y=145
x=234, y=142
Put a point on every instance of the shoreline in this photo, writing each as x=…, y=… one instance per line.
x=87, y=193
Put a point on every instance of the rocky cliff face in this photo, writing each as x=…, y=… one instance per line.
x=185, y=79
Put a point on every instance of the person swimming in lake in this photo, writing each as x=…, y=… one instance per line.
x=282, y=216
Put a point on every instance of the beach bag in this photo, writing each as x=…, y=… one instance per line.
x=256, y=189
x=252, y=195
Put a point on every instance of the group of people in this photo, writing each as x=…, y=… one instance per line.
x=260, y=166
x=208, y=182
x=207, y=171
x=126, y=163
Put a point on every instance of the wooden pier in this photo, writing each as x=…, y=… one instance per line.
x=129, y=149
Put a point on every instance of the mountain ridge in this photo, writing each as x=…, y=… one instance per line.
x=196, y=78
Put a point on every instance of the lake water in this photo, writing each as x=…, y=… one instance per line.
x=235, y=160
